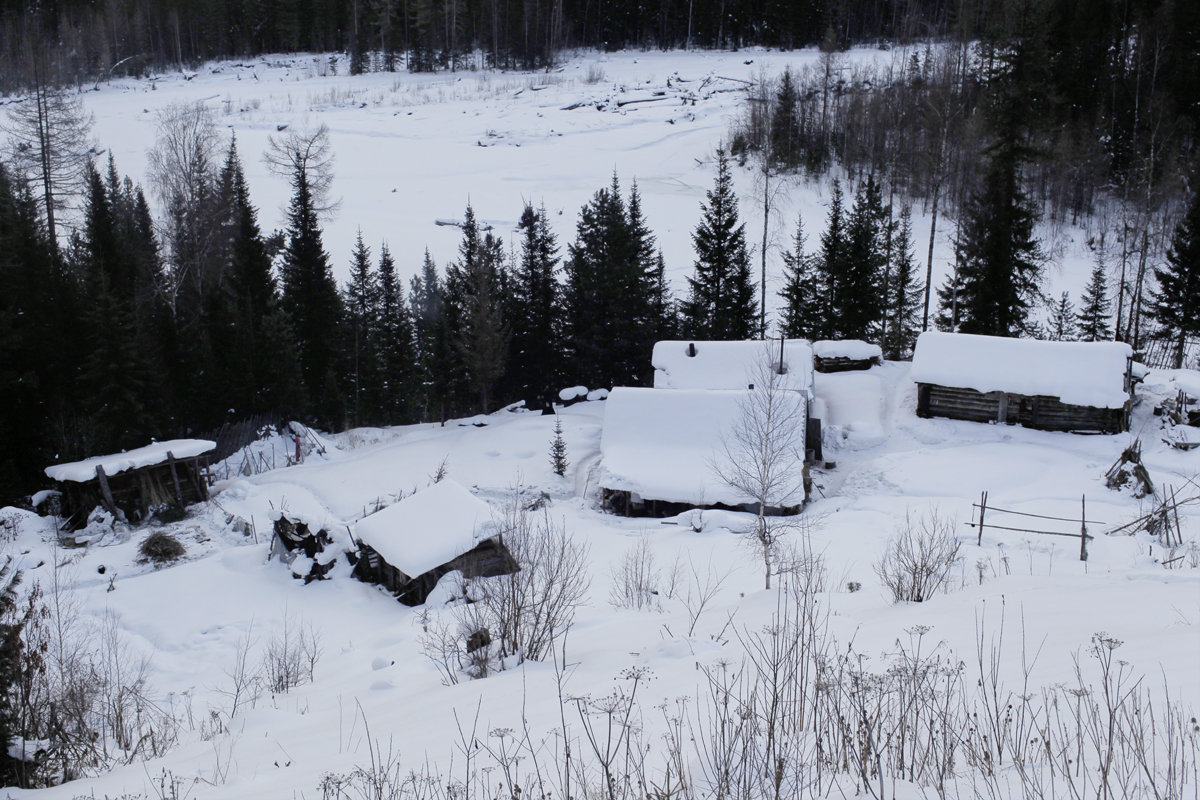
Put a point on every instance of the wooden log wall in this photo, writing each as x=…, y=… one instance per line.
x=1038, y=412
x=843, y=364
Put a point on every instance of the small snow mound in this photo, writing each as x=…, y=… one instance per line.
x=597, y=394
x=380, y=662
x=572, y=392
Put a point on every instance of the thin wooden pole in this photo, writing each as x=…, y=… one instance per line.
x=982, y=511
x=1178, y=529
x=1083, y=534
x=175, y=477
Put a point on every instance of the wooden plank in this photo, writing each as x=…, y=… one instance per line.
x=105, y=492
x=193, y=473
x=175, y=478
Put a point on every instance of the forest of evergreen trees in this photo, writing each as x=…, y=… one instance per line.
x=171, y=315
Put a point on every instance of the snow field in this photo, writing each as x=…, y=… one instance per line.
x=414, y=149
x=189, y=617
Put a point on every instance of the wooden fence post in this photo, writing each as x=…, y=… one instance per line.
x=982, y=511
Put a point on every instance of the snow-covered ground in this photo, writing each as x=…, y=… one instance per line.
x=414, y=149
x=189, y=617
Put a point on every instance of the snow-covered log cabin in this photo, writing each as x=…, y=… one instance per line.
x=659, y=446
x=135, y=484
x=1084, y=387
x=408, y=547
x=845, y=355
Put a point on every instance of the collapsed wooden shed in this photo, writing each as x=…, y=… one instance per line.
x=408, y=547
x=1084, y=387
x=135, y=484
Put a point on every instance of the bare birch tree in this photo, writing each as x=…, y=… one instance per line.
x=762, y=455
x=182, y=167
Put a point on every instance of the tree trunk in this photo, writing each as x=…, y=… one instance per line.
x=937, y=193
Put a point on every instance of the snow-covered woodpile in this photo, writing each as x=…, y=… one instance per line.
x=845, y=355
x=408, y=547
x=1054, y=386
x=135, y=484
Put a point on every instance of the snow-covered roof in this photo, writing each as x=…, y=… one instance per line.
x=663, y=445
x=853, y=349
x=426, y=529
x=83, y=471
x=727, y=365
x=1187, y=381
x=1077, y=373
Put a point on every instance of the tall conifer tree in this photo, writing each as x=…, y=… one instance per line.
x=311, y=298
x=721, y=302
x=1176, y=301
x=535, y=316
x=1094, y=311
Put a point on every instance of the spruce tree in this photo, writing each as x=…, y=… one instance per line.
x=611, y=301
x=558, y=449
x=313, y=304
x=255, y=296
x=435, y=351
x=801, y=292
x=535, y=313
x=831, y=265
x=1062, y=320
x=40, y=347
x=116, y=377
x=1093, y=314
x=1176, y=302
x=784, y=142
x=858, y=286
x=721, y=303
x=361, y=298
x=949, y=308
x=396, y=345
x=1001, y=259
x=905, y=293
x=474, y=311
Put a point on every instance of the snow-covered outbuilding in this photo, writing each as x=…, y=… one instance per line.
x=845, y=354
x=660, y=447
x=134, y=484
x=1054, y=386
x=729, y=365
x=409, y=546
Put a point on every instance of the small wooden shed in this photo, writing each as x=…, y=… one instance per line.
x=408, y=547
x=1084, y=387
x=135, y=484
x=845, y=355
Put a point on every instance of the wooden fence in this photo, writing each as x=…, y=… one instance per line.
x=1082, y=535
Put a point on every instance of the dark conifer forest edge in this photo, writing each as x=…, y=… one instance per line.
x=1011, y=113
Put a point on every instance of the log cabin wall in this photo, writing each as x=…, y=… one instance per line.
x=843, y=364
x=1037, y=412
